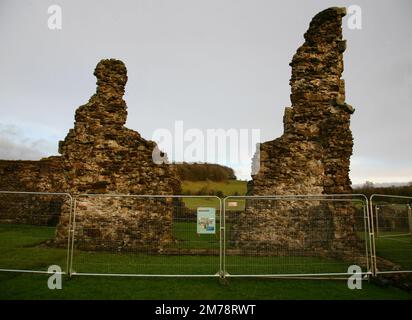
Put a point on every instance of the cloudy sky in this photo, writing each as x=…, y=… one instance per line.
x=211, y=64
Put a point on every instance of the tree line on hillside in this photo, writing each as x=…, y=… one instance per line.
x=204, y=171
x=206, y=191
x=369, y=188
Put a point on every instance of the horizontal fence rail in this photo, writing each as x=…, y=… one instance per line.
x=29, y=223
x=391, y=218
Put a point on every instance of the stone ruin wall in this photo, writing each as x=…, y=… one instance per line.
x=311, y=157
x=313, y=154
x=45, y=175
x=99, y=155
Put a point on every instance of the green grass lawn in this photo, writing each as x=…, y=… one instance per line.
x=21, y=247
x=396, y=248
x=29, y=286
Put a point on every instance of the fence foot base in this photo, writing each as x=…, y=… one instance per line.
x=223, y=281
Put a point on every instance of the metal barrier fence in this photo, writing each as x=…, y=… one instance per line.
x=31, y=236
x=391, y=218
x=296, y=236
x=146, y=235
x=201, y=236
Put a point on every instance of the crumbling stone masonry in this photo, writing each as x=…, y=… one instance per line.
x=312, y=156
x=44, y=175
x=100, y=155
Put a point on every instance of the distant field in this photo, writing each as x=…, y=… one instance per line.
x=226, y=188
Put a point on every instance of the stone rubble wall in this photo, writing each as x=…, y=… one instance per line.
x=45, y=175
x=312, y=156
x=101, y=156
x=121, y=224
x=98, y=156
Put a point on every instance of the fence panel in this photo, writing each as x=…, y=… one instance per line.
x=296, y=236
x=31, y=234
x=156, y=235
x=392, y=219
x=146, y=235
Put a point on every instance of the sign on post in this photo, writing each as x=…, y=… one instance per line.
x=206, y=220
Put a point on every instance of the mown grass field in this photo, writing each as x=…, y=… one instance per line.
x=21, y=247
x=396, y=248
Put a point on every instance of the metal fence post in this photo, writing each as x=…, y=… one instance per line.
x=222, y=240
x=410, y=218
x=377, y=220
x=69, y=236
x=372, y=238
x=72, y=229
x=366, y=231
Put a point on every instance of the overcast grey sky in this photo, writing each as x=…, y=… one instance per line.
x=210, y=63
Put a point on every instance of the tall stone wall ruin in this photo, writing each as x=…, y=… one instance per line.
x=98, y=156
x=311, y=157
x=313, y=154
